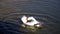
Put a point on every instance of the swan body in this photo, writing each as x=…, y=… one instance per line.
x=31, y=23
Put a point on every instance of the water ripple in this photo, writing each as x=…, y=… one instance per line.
x=49, y=22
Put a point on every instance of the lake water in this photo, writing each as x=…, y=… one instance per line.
x=46, y=11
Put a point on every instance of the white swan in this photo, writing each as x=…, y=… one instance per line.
x=32, y=21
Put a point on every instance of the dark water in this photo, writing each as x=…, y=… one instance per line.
x=46, y=11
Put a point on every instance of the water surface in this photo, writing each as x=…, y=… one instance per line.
x=46, y=11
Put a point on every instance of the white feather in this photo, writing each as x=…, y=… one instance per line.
x=32, y=23
x=24, y=19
